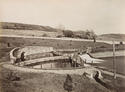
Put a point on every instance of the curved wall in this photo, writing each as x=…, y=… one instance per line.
x=13, y=55
x=35, y=49
x=88, y=72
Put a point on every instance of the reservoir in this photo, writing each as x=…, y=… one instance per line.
x=108, y=60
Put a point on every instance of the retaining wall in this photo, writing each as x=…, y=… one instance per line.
x=88, y=72
x=12, y=55
x=35, y=49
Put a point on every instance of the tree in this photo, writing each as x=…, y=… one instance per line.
x=94, y=36
x=88, y=34
x=91, y=35
x=68, y=84
x=79, y=34
x=68, y=33
x=44, y=35
x=94, y=39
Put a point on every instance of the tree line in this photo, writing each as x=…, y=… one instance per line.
x=88, y=34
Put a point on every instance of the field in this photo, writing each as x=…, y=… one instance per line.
x=56, y=43
x=37, y=33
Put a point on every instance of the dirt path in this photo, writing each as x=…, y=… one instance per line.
x=74, y=39
x=79, y=71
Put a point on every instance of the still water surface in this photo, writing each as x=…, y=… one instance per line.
x=108, y=60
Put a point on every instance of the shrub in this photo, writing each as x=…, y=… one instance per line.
x=12, y=76
x=45, y=35
x=59, y=36
x=68, y=84
x=68, y=33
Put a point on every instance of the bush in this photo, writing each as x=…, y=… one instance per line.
x=44, y=35
x=59, y=36
x=68, y=84
x=68, y=33
x=88, y=34
x=12, y=76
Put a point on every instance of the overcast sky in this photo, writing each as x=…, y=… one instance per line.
x=103, y=16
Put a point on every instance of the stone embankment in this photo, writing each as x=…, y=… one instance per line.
x=88, y=71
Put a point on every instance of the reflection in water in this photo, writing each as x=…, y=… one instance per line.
x=55, y=65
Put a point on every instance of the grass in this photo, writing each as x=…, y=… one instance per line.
x=117, y=84
x=116, y=37
x=48, y=82
x=58, y=44
x=4, y=54
x=23, y=32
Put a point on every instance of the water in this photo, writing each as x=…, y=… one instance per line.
x=60, y=64
x=109, y=54
x=108, y=63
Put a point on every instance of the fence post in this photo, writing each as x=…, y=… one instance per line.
x=114, y=63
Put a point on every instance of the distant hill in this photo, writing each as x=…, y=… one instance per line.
x=21, y=26
x=117, y=37
x=12, y=28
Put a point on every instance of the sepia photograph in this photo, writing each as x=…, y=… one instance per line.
x=62, y=45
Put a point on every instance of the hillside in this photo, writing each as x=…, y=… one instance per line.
x=21, y=26
x=11, y=28
x=116, y=37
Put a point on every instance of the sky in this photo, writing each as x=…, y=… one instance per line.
x=102, y=16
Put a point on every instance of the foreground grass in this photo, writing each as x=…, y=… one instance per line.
x=49, y=82
x=46, y=82
x=4, y=54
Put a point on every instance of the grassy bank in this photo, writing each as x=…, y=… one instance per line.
x=4, y=54
x=47, y=82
